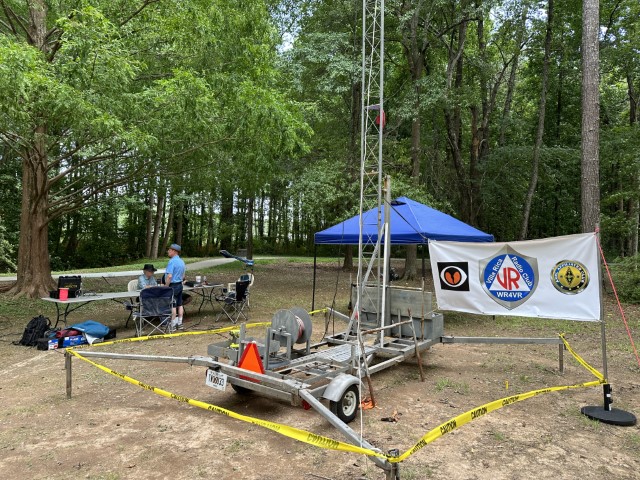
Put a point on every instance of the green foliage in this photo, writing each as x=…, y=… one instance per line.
x=620, y=147
x=556, y=209
x=220, y=105
x=10, y=196
x=7, y=253
x=626, y=277
x=123, y=94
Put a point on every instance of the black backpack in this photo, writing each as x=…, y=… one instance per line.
x=36, y=328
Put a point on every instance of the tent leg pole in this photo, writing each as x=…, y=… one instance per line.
x=313, y=295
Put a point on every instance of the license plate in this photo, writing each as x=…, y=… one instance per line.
x=217, y=380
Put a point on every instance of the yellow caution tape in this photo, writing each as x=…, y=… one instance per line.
x=328, y=443
x=172, y=335
x=581, y=361
x=482, y=410
x=292, y=432
x=322, y=310
x=478, y=412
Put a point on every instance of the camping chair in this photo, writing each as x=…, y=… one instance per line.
x=233, y=302
x=244, y=277
x=153, y=313
x=132, y=286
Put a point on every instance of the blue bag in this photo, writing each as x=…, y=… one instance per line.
x=93, y=328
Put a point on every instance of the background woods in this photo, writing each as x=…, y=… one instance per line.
x=126, y=126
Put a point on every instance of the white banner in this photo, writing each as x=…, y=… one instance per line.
x=550, y=278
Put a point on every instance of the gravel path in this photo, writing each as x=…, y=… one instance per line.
x=210, y=262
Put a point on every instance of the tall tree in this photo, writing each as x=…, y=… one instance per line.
x=535, y=162
x=590, y=197
x=415, y=43
x=98, y=94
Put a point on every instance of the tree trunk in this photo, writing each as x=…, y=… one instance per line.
x=179, y=221
x=633, y=101
x=34, y=267
x=347, y=265
x=506, y=111
x=295, y=222
x=240, y=222
x=634, y=215
x=284, y=222
x=590, y=198
x=34, y=270
x=354, y=154
x=560, y=89
x=271, y=221
x=261, y=216
x=72, y=242
x=209, y=244
x=168, y=230
x=414, y=50
x=149, y=225
x=250, y=203
x=535, y=163
x=511, y=84
x=410, y=263
x=453, y=121
x=226, y=219
x=162, y=194
x=634, y=204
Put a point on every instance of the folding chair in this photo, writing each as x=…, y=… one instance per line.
x=132, y=286
x=153, y=313
x=233, y=302
x=242, y=278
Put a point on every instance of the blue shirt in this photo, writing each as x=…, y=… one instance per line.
x=176, y=268
x=144, y=282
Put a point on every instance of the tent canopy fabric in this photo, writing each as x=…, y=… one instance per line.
x=411, y=223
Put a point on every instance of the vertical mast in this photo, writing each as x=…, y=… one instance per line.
x=372, y=228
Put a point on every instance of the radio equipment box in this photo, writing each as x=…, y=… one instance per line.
x=72, y=282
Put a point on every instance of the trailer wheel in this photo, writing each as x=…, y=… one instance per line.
x=346, y=408
x=240, y=390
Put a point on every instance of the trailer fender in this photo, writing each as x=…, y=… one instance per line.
x=338, y=386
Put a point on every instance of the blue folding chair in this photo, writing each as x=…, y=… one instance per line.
x=153, y=313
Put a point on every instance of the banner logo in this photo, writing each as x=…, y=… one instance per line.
x=570, y=277
x=454, y=276
x=509, y=277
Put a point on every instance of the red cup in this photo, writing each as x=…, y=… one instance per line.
x=63, y=293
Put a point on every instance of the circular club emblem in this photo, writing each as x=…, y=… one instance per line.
x=509, y=278
x=570, y=277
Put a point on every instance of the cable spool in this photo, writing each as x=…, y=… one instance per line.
x=295, y=321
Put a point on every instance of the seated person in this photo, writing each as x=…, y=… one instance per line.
x=147, y=279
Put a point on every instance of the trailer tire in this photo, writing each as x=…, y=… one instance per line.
x=240, y=390
x=346, y=408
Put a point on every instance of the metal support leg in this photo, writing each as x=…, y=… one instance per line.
x=394, y=472
x=561, y=357
x=58, y=316
x=67, y=366
x=352, y=436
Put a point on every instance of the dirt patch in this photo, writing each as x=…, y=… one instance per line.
x=110, y=429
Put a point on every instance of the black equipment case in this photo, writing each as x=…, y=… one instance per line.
x=72, y=282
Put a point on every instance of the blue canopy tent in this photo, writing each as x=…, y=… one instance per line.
x=411, y=223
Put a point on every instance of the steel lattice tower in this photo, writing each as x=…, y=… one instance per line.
x=371, y=265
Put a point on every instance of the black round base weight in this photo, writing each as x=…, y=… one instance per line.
x=612, y=417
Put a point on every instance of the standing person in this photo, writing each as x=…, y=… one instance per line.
x=174, y=275
x=147, y=279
